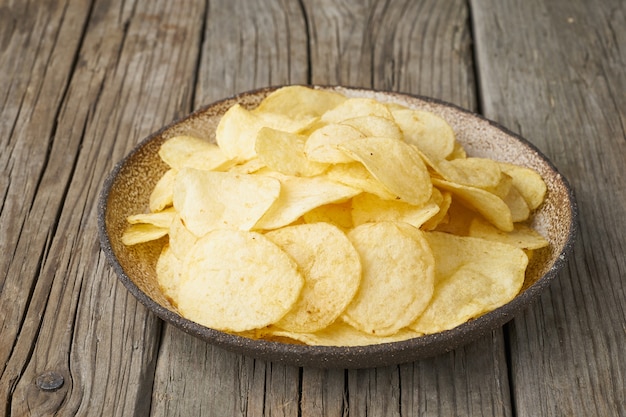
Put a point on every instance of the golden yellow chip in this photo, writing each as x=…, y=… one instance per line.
x=321, y=145
x=168, y=269
x=160, y=218
x=368, y=208
x=356, y=107
x=300, y=102
x=522, y=236
x=473, y=172
x=189, y=152
x=338, y=214
x=208, y=200
x=376, y=126
x=300, y=195
x=162, y=195
x=356, y=175
x=395, y=164
x=180, y=238
x=338, y=334
x=284, y=152
x=492, y=207
x=443, y=200
x=236, y=281
x=473, y=276
x=528, y=182
x=141, y=233
x=332, y=272
x=430, y=133
x=397, y=281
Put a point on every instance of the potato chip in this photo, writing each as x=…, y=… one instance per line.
x=430, y=133
x=395, y=164
x=357, y=176
x=190, y=152
x=522, y=236
x=356, y=107
x=162, y=195
x=160, y=219
x=141, y=233
x=473, y=276
x=338, y=214
x=237, y=281
x=321, y=144
x=284, y=152
x=145, y=227
x=338, y=334
x=397, y=281
x=168, y=269
x=528, y=182
x=300, y=102
x=367, y=208
x=443, y=200
x=376, y=126
x=332, y=272
x=180, y=238
x=299, y=195
x=208, y=200
x=492, y=207
x=517, y=204
x=473, y=172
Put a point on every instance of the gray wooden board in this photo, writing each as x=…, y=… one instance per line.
x=561, y=82
x=82, y=83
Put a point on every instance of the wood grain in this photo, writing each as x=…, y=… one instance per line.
x=563, y=87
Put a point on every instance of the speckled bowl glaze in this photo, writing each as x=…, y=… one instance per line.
x=127, y=189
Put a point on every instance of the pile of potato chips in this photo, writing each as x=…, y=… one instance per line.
x=321, y=219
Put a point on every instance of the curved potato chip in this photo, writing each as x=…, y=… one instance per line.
x=528, y=182
x=168, y=269
x=397, y=281
x=355, y=175
x=368, y=208
x=189, y=152
x=473, y=172
x=338, y=214
x=492, y=207
x=522, y=236
x=208, y=200
x=160, y=218
x=300, y=102
x=299, y=195
x=473, y=276
x=284, y=152
x=356, y=107
x=163, y=193
x=321, y=145
x=180, y=238
x=338, y=334
x=377, y=126
x=332, y=272
x=141, y=233
x=395, y=164
x=237, y=281
x=429, y=132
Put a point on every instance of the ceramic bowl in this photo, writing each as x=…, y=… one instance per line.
x=127, y=189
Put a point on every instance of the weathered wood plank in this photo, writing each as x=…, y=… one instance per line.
x=134, y=72
x=32, y=40
x=560, y=82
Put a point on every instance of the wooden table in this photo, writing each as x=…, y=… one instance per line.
x=82, y=82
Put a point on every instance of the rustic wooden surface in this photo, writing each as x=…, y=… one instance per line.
x=82, y=82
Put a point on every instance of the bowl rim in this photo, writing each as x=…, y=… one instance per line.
x=342, y=356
